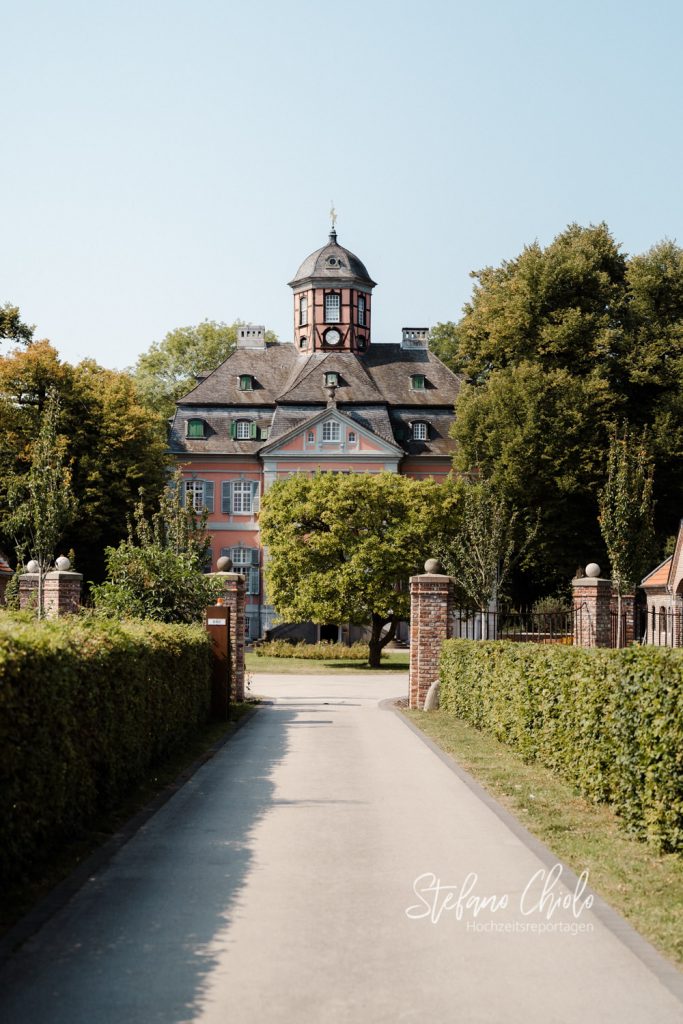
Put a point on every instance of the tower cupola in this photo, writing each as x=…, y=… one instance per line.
x=332, y=300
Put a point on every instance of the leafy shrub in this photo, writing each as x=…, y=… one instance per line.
x=323, y=651
x=611, y=722
x=154, y=583
x=86, y=706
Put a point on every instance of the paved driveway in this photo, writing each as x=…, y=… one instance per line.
x=279, y=885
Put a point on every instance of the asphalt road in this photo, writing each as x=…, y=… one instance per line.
x=301, y=876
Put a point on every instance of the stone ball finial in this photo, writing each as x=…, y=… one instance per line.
x=32, y=566
x=593, y=570
x=433, y=566
x=224, y=564
x=63, y=564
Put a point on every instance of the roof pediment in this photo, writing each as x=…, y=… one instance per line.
x=291, y=442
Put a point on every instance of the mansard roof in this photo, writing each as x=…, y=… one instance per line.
x=375, y=389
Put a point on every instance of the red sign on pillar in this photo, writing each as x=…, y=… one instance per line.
x=218, y=628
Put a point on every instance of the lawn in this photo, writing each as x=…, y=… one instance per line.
x=394, y=661
x=643, y=885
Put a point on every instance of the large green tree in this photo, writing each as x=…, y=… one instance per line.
x=169, y=368
x=341, y=548
x=12, y=327
x=113, y=444
x=557, y=345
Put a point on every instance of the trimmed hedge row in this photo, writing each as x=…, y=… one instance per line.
x=611, y=722
x=86, y=706
x=323, y=651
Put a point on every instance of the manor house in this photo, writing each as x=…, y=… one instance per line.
x=331, y=401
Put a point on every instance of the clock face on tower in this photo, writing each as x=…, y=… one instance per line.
x=332, y=337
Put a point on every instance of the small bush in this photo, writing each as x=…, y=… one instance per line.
x=323, y=651
x=86, y=706
x=611, y=722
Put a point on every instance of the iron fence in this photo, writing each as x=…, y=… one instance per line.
x=519, y=626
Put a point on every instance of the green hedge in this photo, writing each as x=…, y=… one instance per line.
x=611, y=722
x=86, y=706
x=323, y=651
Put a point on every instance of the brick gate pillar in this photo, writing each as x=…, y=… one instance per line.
x=591, y=601
x=234, y=590
x=431, y=601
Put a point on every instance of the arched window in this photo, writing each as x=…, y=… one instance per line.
x=662, y=626
x=332, y=308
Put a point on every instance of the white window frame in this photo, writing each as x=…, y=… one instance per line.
x=361, y=311
x=194, y=494
x=352, y=437
x=303, y=310
x=331, y=432
x=243, y=430
x=242, y=493
x=333, y=308
x=310, y=437
x=420, y=431
x=242, y=562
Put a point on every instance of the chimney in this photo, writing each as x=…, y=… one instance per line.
x=251, y=336
x=415, y=337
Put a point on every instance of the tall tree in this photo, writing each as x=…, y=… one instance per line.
x=42, y=503
x=114, y=445
x=170, y=368
x=490, y=540
x=342, y=547
x=557, y=345
x=12, y=327
x=626, y=514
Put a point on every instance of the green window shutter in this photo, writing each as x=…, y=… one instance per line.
x=233, y=429
x=255, y=496
x=253, y=431
x=226, y=497
x=255, y=556
x=208, y=495
x=182, y=491
x=253, y=581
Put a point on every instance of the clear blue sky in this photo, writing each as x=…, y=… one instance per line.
x=164, y=162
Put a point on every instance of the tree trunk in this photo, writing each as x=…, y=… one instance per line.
x=377, y=641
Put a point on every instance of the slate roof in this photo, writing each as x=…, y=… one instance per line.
x=332, y=261
x=289, y=388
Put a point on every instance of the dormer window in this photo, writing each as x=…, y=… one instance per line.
x=243, y=430
x=303, y=310
x=196, y=428
x=361, y=310
x=246, y=382
x=331, y=379
x=332, y=308
x=420, y=431
x=417, y=381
